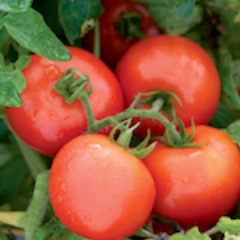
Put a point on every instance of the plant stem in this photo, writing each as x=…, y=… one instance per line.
x=34, y=160
x=212, y=231
x=96, y=46
x=11, y=218
x=37, y=208
x=96, y=125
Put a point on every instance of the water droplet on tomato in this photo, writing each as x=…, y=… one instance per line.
x=95, y=146
x=63, y=187
x=88, y=218
x=52, y=72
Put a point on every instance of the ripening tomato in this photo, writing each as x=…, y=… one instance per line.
x=112, y=44
x=45, y=121
x=196, y=185
x=98, y=190
x=173, y=64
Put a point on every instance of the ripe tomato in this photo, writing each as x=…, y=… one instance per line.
x=174, y=64
x=196, y=185
x=113, y=44
x=98, y=190
x=45, y=121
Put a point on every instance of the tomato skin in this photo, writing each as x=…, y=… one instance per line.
x=196, y=185
x=175, y=64
x=99, y=190
x=45, y=121
x=112, y=44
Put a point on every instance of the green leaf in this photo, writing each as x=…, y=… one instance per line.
x=192, y=234
x=178, y=236
x=185, y=10
x=15, y=172
x=14, y=5
x=170, y=20
x=73, y=14
x=11, y=84
x=1, y=22
x=5, y=154
x=22, y=62
x=30, y=31
x=224, y=116
x=233, y=130
x=228, y=236
x=3, y=131
x=229, y=95
x=143, y=233
x=226, y=16
x=226, y=224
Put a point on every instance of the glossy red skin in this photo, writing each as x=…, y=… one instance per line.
x=99, y=190
x=175, y=64
x=196, y=185
x=113, y=44
x=45, y=121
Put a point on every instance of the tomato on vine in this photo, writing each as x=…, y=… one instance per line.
x=173, y=64
x=99, y=190
x=196, y=185
x=45, y=121
x=122, y=24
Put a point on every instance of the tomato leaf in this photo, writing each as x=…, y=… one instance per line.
x=192, y=234
x=3, y=131
x=74, y=13
x=183, y=8
x=22, y=61
x=11, y=84
x=172, y=19
x=30, y=31
x=9, y=173
x=233, y=130
x=226, y=224
x=224, y=116
x=14, y=5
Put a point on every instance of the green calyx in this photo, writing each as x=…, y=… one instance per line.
x=161, y=101
x=179, y=139
x=130, y=26
x=125, y=137
x=71, y=87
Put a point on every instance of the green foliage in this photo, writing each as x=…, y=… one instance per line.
x=26, y=32
x=73, y=15
x=45, y=27
x=14, y=5
x=174, y=17
x=192, y=234
x=228, y=225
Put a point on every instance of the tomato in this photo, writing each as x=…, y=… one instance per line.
x=98, y=190
x=174, y=64
x=45, y=121
x=112, y=44
x=196, y=185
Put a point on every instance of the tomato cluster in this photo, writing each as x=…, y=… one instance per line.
x=102, y=191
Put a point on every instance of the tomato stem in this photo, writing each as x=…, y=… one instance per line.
x=130, y=26
x=37, y=207
x=96, y=44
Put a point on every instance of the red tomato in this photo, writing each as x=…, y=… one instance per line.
x=196, y=185
x=174, y=64
x=100, y=191
x=113, y=44
x=45, y=121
